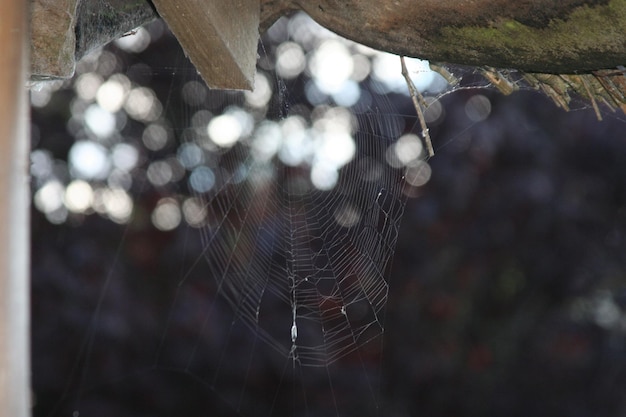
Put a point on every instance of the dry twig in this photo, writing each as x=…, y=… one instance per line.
x=418, y=102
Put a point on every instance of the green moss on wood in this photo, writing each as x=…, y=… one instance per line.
x=590, y=37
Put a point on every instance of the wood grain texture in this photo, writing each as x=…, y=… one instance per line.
x=14, y=213
x=219, y=37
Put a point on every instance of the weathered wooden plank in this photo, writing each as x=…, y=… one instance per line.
x=220, y=37
x=14, y=212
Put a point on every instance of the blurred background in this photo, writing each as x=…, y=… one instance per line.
x=506, y=292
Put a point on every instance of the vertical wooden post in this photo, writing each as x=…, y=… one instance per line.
x=14, y=212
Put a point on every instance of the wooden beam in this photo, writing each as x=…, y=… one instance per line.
x=220, y=37
x=14, y=212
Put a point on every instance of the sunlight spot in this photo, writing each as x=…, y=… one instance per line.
x=41, y=93
x=142, y=105
x=335, y=147
x=324, y=177
x=120, y=179
x=41, y=164
x=333, y=119
x=418, y=173
x=125, y=156
x=111, y=95
x=190, y=155
x=159, y=173
x=305, y=31
x=244, y=118
x=57, y=216
x=116, y=203
x=166, y=216
x=362, y=67
x=194, y=211
x=266, y=141
x=224, y=130
x=100, y=121
x=348, y=95
x=331, y=65
x=135, y=41
x=386, y=69
x=202, y=179
x=391, y=156
x=290, y=61
x=50, y=196
x=78, y=196
x=478, y=108
x=408, y=148
x=89, y=160
x=434, y=112
x=297, y=144
x=313, y=94
x=262, y=93
x=87, y=85
x=155, y=137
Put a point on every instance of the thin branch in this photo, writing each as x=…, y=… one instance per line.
x=591, y=97
x=418, y=102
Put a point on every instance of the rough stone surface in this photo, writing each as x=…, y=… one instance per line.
x=99, y=22
x=52, y=38
x=63, y=31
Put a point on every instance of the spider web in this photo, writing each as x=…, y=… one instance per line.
x=289, y=277
x=302, y=270
x=275, y=241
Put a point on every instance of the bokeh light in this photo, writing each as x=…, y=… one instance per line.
x=78, y=196
x=166, y=216
x=478, y=108
x=114, y=104
x=89, y=160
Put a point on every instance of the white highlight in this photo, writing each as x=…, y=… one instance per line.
x=331, y=65
x=78, y=196
x=124, y=156
x=111, y=95
x=166, y=216
x=100, y=121
x=89, y=160
x=224, y=130
x=49, y=197
x=142, y=104
x=262, y=93
x=290, y=61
